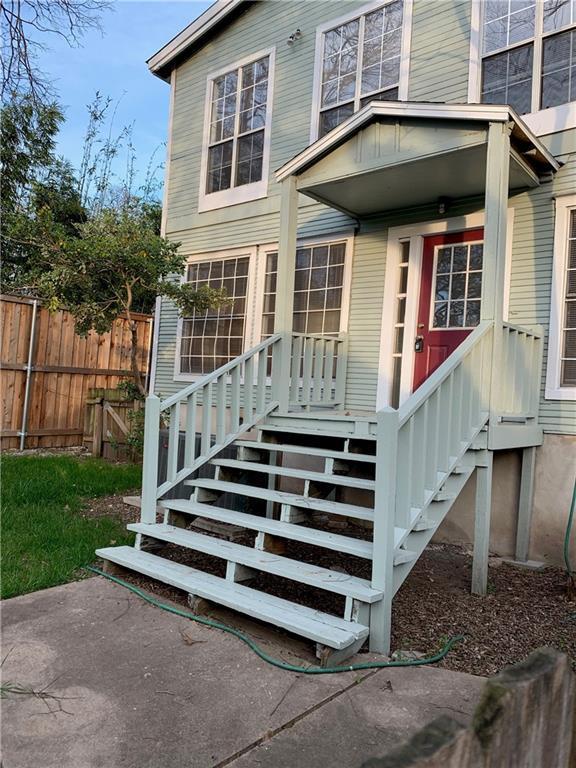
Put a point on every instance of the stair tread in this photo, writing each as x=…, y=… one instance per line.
x=314, y=536
x=282, y=497
x=307, y=450
x=316, y=432
x=315, y=625
x=300, y=474
x=305, y=573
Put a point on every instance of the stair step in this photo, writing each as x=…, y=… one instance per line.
x=281, y=497
x=313, y=536
x=313, y=575
x=324, y=432
x=307, y=451
x=300, y=474
x=314, y=625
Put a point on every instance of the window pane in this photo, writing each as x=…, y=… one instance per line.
x=250, y=154
x=391, y=95
x=568, y=352
x=457, y=289
x=219, y=167
x=558, y=65
x=558, y=13
x=507, y=79
x=212, y=338
x=507, y=23
x=381, y=50
x=333, y=117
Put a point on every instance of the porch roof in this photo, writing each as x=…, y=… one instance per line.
x=392, y=155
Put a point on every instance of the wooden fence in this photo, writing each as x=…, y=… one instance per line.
x=40, y=352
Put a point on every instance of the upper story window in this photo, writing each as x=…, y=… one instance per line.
x=360, y=60
x=528, y=53
x=237, y=133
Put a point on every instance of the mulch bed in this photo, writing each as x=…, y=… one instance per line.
x=522, y=611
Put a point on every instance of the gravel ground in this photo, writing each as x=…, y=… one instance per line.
x=523, y=609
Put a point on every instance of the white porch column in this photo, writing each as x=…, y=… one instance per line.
x=285, y=288
x=495, y=230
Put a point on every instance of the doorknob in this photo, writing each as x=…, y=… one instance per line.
x=419, y=344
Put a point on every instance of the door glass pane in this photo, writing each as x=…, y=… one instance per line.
x=457, y=286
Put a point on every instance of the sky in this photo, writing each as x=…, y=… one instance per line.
x=113, y=62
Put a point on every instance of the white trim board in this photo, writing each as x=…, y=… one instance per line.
x=416, y=233
x=553, y=390
x=246, y=192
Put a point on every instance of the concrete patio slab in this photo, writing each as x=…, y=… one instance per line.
x=131, y=686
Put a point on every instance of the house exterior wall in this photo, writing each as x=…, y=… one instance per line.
x=440, y=34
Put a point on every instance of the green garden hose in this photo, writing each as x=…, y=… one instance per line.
x=266, y=657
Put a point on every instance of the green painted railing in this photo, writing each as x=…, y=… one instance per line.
x=522, y=363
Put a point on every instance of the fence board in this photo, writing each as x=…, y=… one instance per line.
x=64, y=367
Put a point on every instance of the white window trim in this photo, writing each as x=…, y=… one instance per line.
x=245, y=192
x=306, y=242
x=416, y=233
x=542, y=121
x=250, y=322
x=553, y=389
x=404, y=73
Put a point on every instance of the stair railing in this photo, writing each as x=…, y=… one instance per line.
x=219, y=407
x=318, y=371
x=520, y=383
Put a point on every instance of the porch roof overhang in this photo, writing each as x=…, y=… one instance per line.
x=394, y=155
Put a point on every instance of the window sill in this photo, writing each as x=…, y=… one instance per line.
x=235, y=196
x=560, y=393
x=553, y=120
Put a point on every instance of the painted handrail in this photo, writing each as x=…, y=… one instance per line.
x=520, y=382
x=318, y=370
x=219, y=407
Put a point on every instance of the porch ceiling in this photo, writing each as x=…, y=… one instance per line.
x=390, y=156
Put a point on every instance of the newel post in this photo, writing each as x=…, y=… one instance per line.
x=150, y=459
x=494, y=267
x=283, y=322
x=384, y=524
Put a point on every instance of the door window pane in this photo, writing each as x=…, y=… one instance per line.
x=457, y=286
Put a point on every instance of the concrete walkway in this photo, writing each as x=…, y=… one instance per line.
x=136, y=687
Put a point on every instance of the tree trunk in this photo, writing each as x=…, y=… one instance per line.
x=134, y=357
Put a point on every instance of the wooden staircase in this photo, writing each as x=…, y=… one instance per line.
x=328, y=502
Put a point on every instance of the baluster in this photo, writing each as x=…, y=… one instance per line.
x=329, y=369
x=206, y=418
x=536, y=376
x=445, y=420
x=467, y=384
x=456, y=423
x=475, y=387
x=420, y=446
x=341, y=368
x=404, y=469
x=511, y=367
x=235, y=399
x=295, y=371
x=432, y=436
x=249, y=389
x=261, y=381
x=307, y=370
x=319, y=347
x=190, y=434
x=173, y=441
x=221, y=409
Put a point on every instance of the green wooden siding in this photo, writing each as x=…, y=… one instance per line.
x=440, y=33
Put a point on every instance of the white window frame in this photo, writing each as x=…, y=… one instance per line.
x=245, y=192
x=540, y=121
x=346, y=237
x=250, y=337
x=553, y=390
x=319, y=56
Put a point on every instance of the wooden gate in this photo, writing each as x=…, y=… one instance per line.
x=47, y=370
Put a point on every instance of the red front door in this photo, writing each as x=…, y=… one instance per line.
x=450, y=291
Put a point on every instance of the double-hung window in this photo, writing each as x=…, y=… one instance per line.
x=561, y=368
x=528, y=53
x=359, y=61
x=237, y=133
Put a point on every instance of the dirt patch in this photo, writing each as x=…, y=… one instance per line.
x=111, y=506
x=522, y=611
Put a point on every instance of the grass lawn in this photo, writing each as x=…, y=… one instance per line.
x=45, y=539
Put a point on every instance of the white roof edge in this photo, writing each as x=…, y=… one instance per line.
x=492, y=113
x=197, y=29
